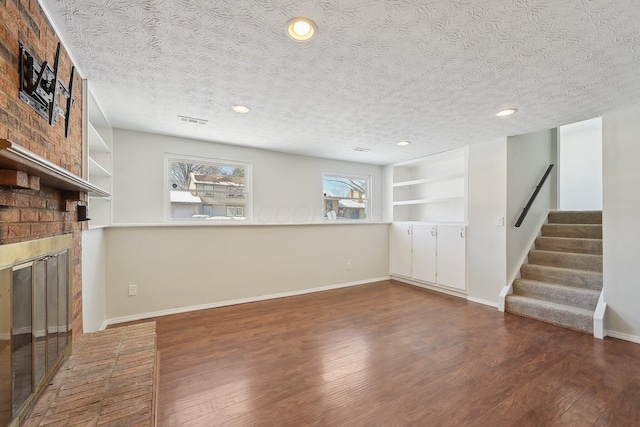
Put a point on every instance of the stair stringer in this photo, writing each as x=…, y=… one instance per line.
x=524, y=259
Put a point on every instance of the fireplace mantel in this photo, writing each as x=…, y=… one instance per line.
x=15, y=157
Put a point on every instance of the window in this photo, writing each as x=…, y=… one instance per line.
x=235, y=211
x=345, y=197
x=235, y=192
x=207, y=189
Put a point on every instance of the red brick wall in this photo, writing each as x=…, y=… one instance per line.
x=31, y=214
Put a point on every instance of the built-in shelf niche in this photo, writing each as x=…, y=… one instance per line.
x=432, y=188
x=99, y=144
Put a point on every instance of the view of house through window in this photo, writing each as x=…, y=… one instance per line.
x=345, y=197
x=207, y=190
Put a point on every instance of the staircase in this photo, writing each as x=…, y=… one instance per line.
x=562, y=281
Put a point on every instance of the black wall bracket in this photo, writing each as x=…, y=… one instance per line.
x=41, y=86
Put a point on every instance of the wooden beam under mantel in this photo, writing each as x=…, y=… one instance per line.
x=15, y=157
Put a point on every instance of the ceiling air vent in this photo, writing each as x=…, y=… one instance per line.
x=192, y=120
x=362, y=150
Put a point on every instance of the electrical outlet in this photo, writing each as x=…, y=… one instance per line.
x=133, y=290
x=348, y=266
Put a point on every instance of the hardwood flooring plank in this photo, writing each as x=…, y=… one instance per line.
x=387, y=354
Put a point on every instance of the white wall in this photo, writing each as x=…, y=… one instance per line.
x=621, y=210
x=94, y=273
x=528, y=157
x=580, y=166
x=486, y=242
x=387, y=196
x=287, y=188
x=287, y=249
x=176, y=267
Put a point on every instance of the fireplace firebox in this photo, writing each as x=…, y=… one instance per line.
x=35, y=320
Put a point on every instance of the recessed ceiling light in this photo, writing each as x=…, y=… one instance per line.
x=301, y=29
x=240, y=109
x=404, y=143
x=506, y=112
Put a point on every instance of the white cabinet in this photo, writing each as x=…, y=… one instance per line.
x=429, y=253
x=423, y=259
x=400, y=240
x=428, y=235
x=99, y=135
x=451, y=258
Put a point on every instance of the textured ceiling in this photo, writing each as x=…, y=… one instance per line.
x=434, y=72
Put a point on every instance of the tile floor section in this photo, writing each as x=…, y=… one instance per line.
x=109, y=379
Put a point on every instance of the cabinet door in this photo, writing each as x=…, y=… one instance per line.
x=424, y=252
x=451, y=259
x=400, y=249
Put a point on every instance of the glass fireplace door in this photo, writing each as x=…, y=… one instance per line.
x=21, y=336
x=35, y=330
x=40, y=318
x=5, y=346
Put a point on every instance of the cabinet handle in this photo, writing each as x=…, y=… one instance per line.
x=462, y=233
x=433, y=231
x=409, y=231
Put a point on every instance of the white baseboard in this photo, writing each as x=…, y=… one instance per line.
x=502, y=302
x=453, y=292
x=179, y=310
x=483, y=302
x=598, y=318
x=622, y=336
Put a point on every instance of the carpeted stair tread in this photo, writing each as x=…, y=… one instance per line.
x=561, y=294
x=558, y=314
x=562, y=281
x=566, y=260
x=568, y=244
x=575, y=217
x=581, y=231
x=564, y=276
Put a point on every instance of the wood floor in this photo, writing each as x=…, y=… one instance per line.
x=388, y=354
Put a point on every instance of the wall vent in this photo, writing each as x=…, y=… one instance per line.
x=192, y=120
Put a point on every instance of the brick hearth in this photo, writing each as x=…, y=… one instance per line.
x=110, y=379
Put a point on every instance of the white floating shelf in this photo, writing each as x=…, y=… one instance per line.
x=95, y=169
x=407, y=183
x=428, y=201
x=96, y=142
x=428, y=180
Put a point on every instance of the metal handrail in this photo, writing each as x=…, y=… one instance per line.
x=525, y=211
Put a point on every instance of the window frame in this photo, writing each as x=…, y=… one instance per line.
x=170, y=158
x=367, y=198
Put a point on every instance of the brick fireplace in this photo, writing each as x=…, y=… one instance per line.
x=28, y=214
x=35, y=203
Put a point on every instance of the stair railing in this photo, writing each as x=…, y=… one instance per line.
x=525, y=211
